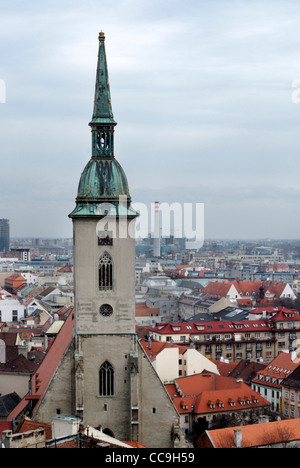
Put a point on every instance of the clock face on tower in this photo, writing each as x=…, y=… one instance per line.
x=105, y=238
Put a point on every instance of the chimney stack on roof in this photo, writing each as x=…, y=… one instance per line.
x=238, y=438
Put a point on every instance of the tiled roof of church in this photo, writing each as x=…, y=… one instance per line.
x=46, y=370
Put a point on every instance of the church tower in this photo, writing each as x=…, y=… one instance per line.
x=105, y=378
x=104, y=276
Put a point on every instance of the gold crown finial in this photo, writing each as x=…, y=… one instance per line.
x=101, y=35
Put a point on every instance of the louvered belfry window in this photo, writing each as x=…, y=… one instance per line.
x=106, y=379
x=105, y=272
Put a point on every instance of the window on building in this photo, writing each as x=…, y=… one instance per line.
x=106, y=310
x=106, y=379
x=105, y=272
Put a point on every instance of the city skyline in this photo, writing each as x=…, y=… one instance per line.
x=204, y=96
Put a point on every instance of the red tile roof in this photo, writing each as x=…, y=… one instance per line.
x=5, y=426
x=226, y=326
x=46, y=370
x=142, y=310
x=210, y=393
x=29, y=425
x=276, y=313
x=245, y=288
x=276, y=371
x=254, y=435
x=14, y=277
x=225, y=368
x=245, y=301
x=157, y=347
x=136, y=444
x=217, y=288
x=277, y=267
x=228, y=400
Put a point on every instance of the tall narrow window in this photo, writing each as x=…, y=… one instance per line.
x=106, y=379
x=105, y=272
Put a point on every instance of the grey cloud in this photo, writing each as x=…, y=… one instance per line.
x=201, y=92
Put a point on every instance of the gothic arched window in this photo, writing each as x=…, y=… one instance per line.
x=105, y=272
x=106, y=379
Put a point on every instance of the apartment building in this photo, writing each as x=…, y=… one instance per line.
x=260, y=340
x=291, y=394
x=269, y=381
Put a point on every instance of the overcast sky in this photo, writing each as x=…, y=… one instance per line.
x=202, y=92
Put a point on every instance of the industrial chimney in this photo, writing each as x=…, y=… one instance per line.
x=156, y=246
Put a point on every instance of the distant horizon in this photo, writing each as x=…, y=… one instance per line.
x=268, y=239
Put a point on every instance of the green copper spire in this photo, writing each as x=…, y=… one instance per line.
x=102, y=122
x=103, y=179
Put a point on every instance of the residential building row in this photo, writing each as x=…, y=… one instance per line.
x=230, y=394
x=205, y=395
x=260, y=339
